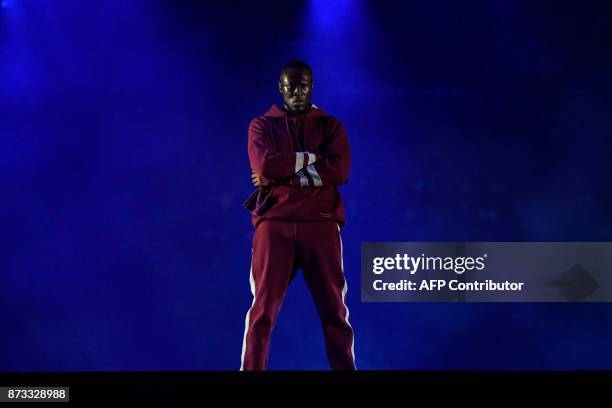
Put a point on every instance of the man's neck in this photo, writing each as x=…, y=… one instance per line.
x=294, y=113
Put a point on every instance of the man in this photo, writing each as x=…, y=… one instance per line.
x=298, y=155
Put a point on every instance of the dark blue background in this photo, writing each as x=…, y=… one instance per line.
x=123, y=168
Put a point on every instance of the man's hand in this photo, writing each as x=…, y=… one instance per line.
x=260, y=181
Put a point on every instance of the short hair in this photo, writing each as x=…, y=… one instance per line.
x=295, y=64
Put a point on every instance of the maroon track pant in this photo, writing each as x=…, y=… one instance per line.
x=279, y=249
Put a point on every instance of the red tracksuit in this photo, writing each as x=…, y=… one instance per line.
x=297, y=224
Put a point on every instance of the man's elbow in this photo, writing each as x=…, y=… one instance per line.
x=344, y=171
x=341, y=178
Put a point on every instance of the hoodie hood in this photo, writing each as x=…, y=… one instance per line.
x=276, y=112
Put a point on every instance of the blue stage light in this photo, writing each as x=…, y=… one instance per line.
x=331, y=14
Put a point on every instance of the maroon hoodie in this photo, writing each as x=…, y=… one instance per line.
x=307, y=157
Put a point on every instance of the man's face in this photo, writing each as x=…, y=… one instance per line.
x=296, y=87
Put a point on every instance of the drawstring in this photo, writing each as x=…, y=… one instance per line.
x=287, y=126
x=306, y=127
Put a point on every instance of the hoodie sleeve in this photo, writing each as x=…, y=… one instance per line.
x=266, y=161
x=333, y=161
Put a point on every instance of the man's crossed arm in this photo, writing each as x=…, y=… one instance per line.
x=329, y=165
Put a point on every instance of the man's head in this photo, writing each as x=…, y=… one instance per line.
x=295, y=84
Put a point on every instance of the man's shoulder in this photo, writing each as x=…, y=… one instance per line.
x=267, y=116
x=259, y=121
x=325, y=116
x=333, y=123
x=334, y=120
